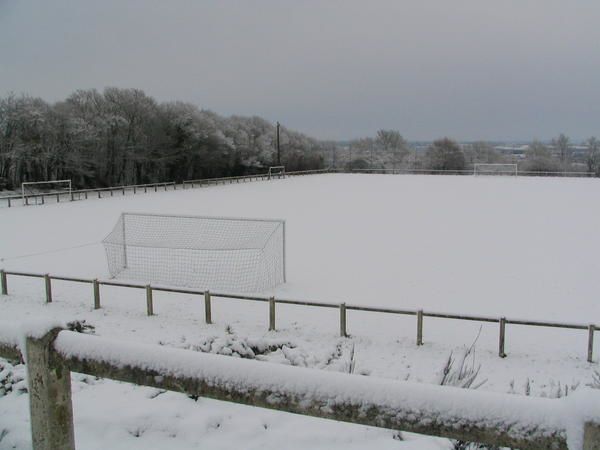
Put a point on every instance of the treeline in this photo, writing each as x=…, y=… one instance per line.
x=123, y=136
x=389, y=150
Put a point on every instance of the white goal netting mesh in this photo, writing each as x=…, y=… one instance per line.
x=495, y=169
x=220, y=254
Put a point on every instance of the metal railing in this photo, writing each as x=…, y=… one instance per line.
x=416, y=171
x=505, y=420
x=111, y=191
x=272, y=301
x=81, y=194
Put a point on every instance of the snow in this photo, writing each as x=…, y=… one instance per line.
x=404, y=400
x=517, y=247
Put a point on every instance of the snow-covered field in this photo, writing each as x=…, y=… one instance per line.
x=516, y=247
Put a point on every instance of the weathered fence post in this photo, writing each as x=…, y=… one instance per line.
x=501, y=352
x=591, y=436
x=207, y=307
x=343, y=331
x=149, y=305
x=50, y=403
x=3, y=283
x=48, y=284
x=590, y=356
x=96, y=286
x=420, y=327
x=272, y=314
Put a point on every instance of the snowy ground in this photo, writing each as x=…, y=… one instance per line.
x=518, y=247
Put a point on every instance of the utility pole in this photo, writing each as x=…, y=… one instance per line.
x=278, y=147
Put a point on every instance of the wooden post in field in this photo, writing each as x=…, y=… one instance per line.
x=420, y=327
x=343, y=331
x=3, y=283
x=207, y=307
x=96, y=286
x=591, y=436
x=501, y=352
x=272, y=314
x=50, y=404
x=590, y=355
x=48, y=284
x=149, y=304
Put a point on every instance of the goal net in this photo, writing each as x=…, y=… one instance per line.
x=216, y=253
x=37, y=192
x=276, y=172
x=495, y=169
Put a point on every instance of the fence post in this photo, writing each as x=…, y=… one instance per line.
x=272, y=314
x=207, y=310
x=149, y=305
x=3, y=283
x=48, y=283
x=343, y=331
x=96, y=286
x=501, y=353
x=420, y=327
x=590, y=355
x=591, y=436
x=50, y=404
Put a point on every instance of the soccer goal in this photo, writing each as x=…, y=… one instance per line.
x=276, y=172
x=495, y=169
x=36, y=192
x=215, y=253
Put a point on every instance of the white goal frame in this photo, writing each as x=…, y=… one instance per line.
x=25, y=196
x=231, y=254
x=511, y=169
x=276, y=171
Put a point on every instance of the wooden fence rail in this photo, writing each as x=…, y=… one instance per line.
x=272, y=302
x=468, y=415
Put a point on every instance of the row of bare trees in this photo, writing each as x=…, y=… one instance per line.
x=123, y=136
x=389, y=150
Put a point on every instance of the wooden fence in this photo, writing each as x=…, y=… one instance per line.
x=272, y=302
x=468, y=415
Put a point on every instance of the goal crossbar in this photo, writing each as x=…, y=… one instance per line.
x=278, y=171
x=27, y=185
x=495, y=169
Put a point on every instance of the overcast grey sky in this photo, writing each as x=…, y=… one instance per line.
x=469, y=69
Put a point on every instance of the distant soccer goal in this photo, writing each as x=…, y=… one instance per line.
x=276, y=172
x=495, y=169
x=216, y=253
x=36, y=192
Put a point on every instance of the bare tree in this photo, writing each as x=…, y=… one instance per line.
x=393, y=146
x=445, y=154
x=561, y=144
x=593, y=155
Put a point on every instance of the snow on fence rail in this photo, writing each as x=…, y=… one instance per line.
x=505, y=420
x=272, y=301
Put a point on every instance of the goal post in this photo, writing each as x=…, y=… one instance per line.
x=495, y=169
x=229, y=254
x=276, y=172
x=39, y=190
